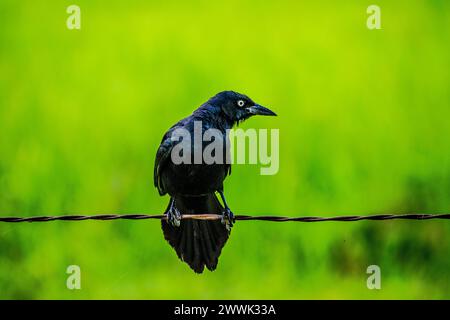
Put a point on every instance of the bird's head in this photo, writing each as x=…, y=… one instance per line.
x=238, y=107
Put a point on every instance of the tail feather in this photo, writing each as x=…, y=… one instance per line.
x=197, y=242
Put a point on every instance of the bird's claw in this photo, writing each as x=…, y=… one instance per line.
x=174, y=216
x=228, y=219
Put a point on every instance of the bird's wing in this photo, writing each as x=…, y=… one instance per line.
x=162, y=155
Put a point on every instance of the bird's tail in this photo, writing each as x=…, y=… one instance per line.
x=197, y=242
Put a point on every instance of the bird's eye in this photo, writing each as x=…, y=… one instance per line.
x=240, y=103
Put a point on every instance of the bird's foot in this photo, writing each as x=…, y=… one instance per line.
x=173, y=216
x=228, y=218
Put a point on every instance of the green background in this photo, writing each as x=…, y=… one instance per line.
x=364, y=128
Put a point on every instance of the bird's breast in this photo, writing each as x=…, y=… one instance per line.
x=193, y=179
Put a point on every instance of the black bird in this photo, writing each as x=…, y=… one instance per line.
x=192, y=186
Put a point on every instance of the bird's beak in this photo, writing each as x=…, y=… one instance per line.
x=260, y=110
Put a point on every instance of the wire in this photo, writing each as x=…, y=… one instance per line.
x=413, y=216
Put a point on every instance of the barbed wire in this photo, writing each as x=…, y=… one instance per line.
x=348, y=218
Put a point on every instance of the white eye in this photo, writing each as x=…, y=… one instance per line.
x=240, y=103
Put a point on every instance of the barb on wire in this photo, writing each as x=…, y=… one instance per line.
x=411, y=216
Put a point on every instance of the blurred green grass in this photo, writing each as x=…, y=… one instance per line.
x=364, y=128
